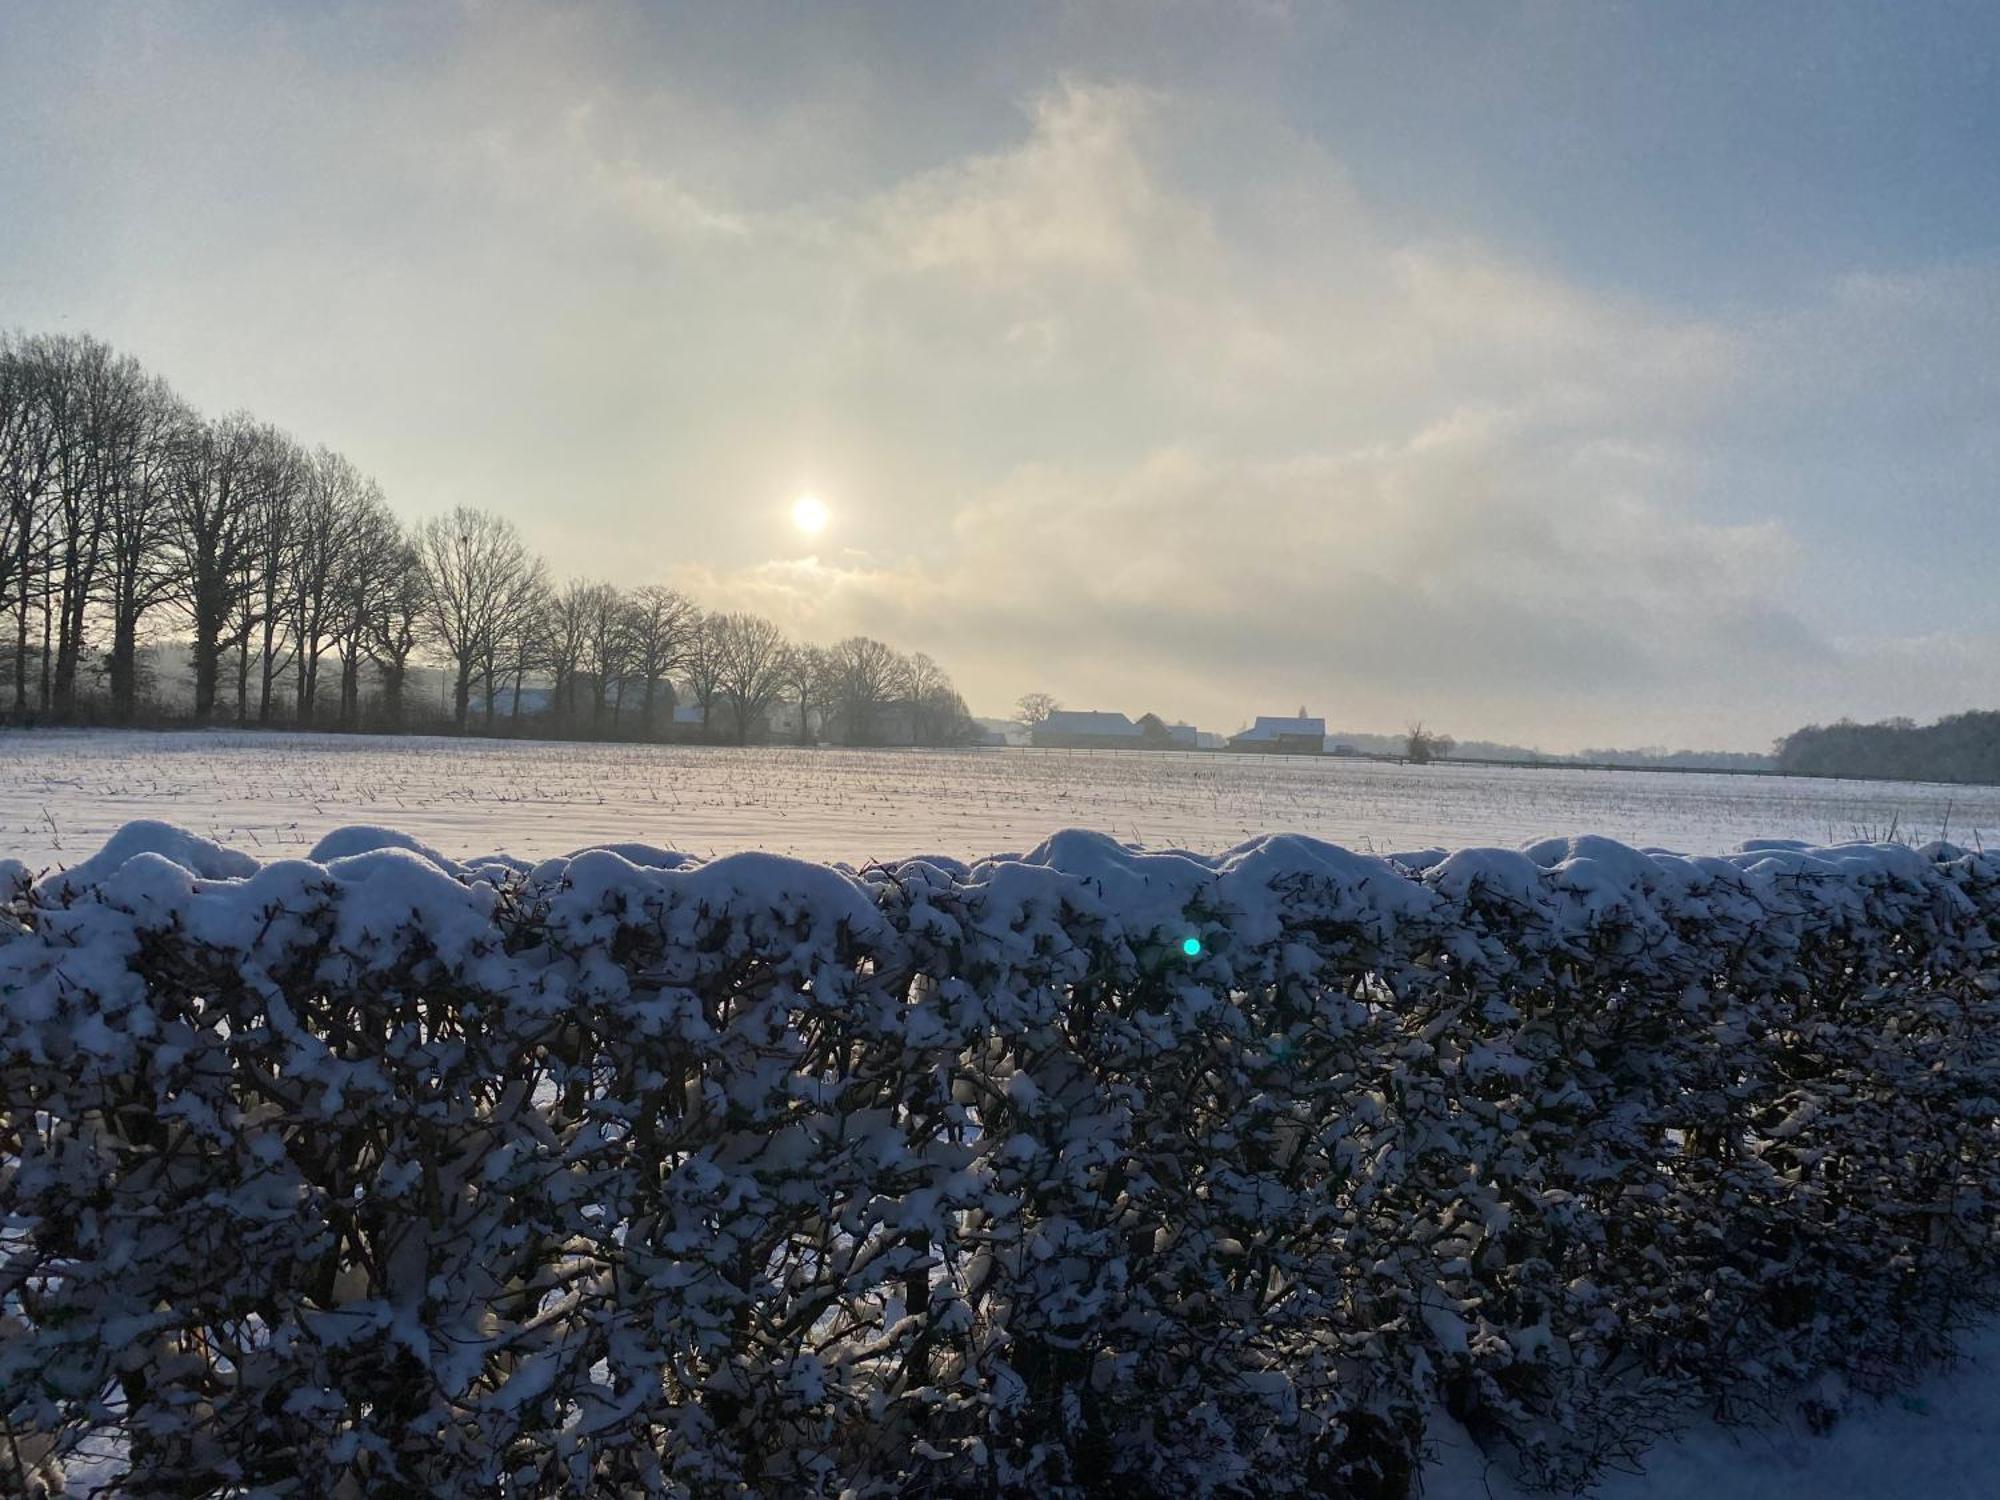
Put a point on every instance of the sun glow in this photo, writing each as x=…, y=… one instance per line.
x=810, y=515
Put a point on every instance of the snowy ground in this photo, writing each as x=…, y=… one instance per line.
x=63, y=791
x=1940, y=1440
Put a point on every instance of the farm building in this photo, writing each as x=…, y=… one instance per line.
x=1273, y=736
x=1086, y=729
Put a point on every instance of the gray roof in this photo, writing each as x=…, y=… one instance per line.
x=1268, y=728
x=1089, y=721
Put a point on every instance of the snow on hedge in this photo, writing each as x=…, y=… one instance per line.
x=1087, y=1171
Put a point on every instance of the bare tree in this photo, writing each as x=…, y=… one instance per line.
x=327, y=516
x=525, y=648
x=1034, y=708
x=811, y=679
x=213, y=476
x=938, y=715
x=753, y=668
x=514, y=637
x=566, y=643
x=474, y=565
x=1421, y=746
x=922, y=676
x=86, y=392
x=927, y=695
x=27, y=479
x=282, y=473
x=372, y=568
x=704, y=667
x=398, y=608
x=80, y=460
x=661, y=624
x=606, y=651
x=140, y=576
x=869, y=677
x=67, y=406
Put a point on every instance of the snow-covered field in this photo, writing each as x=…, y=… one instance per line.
x=63, y=791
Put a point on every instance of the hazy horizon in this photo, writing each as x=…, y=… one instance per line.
x=1568, y=376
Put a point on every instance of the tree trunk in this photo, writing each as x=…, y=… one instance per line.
x=69, y=641
x=124, y=665
x=21, y=635
x=267, y=671
x=207, y=669
x=48, y=613
x=308, y=686
x=350, y=687
x=392, y=693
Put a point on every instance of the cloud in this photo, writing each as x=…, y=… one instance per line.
x=1075, y=198
x=1443, y=575
x=1130, y=389
x=1452, y=502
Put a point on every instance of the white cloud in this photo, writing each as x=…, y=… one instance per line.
x=1396, y=478
x=1133, y=394
x=1075, y=197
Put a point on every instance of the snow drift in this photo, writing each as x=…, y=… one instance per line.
x=384, y=1173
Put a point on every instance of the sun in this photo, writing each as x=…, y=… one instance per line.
x=810, y=515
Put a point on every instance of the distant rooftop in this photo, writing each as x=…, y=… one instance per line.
x=1268, y=728
x=1089, y=721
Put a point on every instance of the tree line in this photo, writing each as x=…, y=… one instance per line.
x=1960, y=747
x=126, y=517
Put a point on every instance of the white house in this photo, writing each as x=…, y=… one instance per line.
x=1274, y=736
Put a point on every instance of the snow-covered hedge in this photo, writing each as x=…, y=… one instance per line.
x=1083, y=1172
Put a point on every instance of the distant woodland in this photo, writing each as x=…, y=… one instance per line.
x=1962, y=747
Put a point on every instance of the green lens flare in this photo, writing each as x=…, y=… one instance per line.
x=1191, y=947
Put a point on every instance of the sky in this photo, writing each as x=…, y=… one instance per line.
x=1568, y=374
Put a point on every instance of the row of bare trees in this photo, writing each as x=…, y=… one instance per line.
x=589, y=659
x=123, y=511
x=128, y=517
